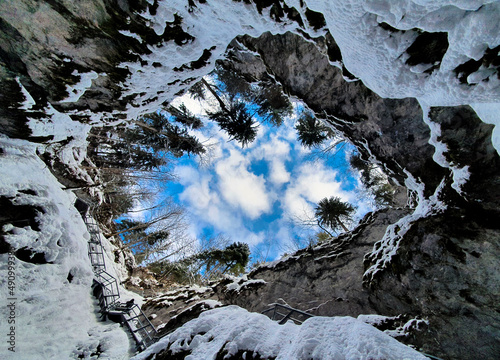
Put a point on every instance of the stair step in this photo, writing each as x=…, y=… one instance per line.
x=105, y=289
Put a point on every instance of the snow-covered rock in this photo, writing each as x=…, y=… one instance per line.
x=234, y=333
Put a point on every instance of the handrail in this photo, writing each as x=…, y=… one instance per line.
x=108, y=294
x=287, y=316
x=431, y=356
x=274, y=309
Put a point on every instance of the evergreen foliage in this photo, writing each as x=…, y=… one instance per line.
x=184, y=116
x=310, y=131
x=239, y=102
x=237, y=121
x=373, y=180
x=266, y=95
x=205, y=265
x=214, y=263
x=160, y=134
x=333, y=212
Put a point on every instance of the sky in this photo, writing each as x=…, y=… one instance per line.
x=256, y=194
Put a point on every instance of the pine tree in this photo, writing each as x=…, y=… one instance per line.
x=161, y=134
x=333, y=212
x=236, y=121
x=266, y=95
x=373, y=180
x=233, y=117
x=310, y=131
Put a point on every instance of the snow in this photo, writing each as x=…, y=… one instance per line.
x=233, y=329
x=274, y=263
x=239, y=283
x=460, y=175
x=130, y=34
x=58, y=124
x=387, y=247
x=210, y=303
x=373, y=319
x=77, y=90
x=29, y=101
x=63, y=129
x=373, y=54
x=212, y=25
x=377, y=56
x=405, y=329
x=46, y=303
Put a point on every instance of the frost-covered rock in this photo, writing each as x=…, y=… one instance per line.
x=177, y=306
x=44, y=255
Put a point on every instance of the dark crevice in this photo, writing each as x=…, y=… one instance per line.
x=428, y=48
x=490, y=59
x=293, y=15
x=4, y=245
x=334, y=53
x=347, y=74
x=29, y=255
x=202, y=61
x=28, y=192
x=315, y=19
x=19, y=215
x=389, y=28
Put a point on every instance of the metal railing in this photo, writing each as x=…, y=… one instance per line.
x=137, y=323
x=283, y=313
x=105, y=289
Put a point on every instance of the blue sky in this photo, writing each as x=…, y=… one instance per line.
x=252, y=194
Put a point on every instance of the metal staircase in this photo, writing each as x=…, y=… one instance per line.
x=137, y=323
x=105, y=289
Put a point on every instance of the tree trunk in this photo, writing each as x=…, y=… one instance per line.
x=322, y=228
x=209, y=87
x=343, y=226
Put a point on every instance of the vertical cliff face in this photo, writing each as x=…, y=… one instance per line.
x=435, y=271
x=66, y=66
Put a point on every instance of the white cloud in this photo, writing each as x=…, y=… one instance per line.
x=207, y=208
x=313, y=182
x=227, y=197
x=241, y=188
x=199, y=195
x=278, y=173
x=276, y=152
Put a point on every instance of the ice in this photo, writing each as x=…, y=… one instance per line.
x=460, y=175
x=471, y=27
x=232, y=329
x=387, y=247
x=77, y=90
x=49, y=301
x=29, y=101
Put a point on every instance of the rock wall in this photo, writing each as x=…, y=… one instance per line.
x=89, y=63
x=440, y=270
